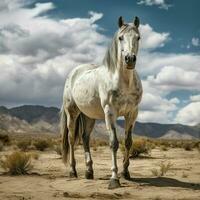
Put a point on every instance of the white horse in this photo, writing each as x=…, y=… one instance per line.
x=106, y=91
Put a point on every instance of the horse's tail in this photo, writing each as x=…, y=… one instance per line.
x=65, y=132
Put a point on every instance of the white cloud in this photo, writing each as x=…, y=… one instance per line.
x=155, y=108
x=152, y=39
x=195, y=42
x=172, y=78
x=190, y=114
x=195, y=98
x=37, y=52
x=160, y=3
x=150, y=63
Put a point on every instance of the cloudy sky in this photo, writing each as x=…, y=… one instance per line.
x=42, y=40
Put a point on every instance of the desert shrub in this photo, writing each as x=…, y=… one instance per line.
x=57, y=149
x=163, y=169
x=18, y=163
x=42, y=144
x=34, y=155
x=139, y=146
x=188, y=146
x=24, y=145
x=4, y=138
x=98, y=142
x=94, y=148
x=164, y=148
x=1, y=146
x=197, y=145
x=184, y=175
x=101, y=143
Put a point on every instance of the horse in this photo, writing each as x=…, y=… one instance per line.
x=105, y=91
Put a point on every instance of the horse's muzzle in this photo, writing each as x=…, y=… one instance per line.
x=130, y=61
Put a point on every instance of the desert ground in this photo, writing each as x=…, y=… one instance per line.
x=49, y=178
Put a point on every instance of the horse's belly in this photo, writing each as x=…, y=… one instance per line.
x=87, y=99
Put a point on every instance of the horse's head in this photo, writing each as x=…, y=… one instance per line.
x=128, y=38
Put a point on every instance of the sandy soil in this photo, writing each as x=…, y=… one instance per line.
x=49, y=179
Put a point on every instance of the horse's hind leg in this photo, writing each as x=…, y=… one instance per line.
x=88, y=127
x=71, y=124
x=129, y=124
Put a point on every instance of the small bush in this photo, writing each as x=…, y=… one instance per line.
x=139, y=146
x=34, y=155
x=188, y=146
x=164, y=148
x=4, y=138
x=24, y=145
x=18, y=163
x=184, y=175
x=1, y=146
x=163, y=169
x=41, y=145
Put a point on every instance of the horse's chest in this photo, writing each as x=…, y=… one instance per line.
x=125, y=102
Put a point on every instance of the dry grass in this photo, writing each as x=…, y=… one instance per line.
x=18, y=163
x=163, y=169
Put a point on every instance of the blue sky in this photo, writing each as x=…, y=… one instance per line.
x=41, y=41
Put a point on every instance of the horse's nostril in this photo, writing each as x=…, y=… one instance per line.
x=134, y=58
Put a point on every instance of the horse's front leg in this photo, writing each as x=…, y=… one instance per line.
x=129, y=124
x=110, y=118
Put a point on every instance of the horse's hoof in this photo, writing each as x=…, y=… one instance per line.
x=89, y=174
x=114, y=183
x=73, y=174
x=126, y=175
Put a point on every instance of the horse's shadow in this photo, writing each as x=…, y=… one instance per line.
x=165, y=182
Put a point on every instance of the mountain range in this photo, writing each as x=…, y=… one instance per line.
x=40, y=119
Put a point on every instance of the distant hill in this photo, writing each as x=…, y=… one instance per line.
x=32, y=113
x=156, y=130
x=31, y=118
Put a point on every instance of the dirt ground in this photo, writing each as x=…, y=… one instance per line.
x=49, y=179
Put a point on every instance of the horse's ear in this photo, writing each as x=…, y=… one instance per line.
x=120, y=22
x=136, y=22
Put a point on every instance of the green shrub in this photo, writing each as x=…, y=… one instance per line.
x=18, y=163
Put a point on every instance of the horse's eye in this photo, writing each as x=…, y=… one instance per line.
x=121, y=38
x=138, y=37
